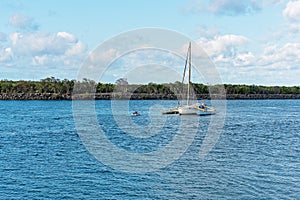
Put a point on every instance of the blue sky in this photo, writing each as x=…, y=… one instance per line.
x=249, y=41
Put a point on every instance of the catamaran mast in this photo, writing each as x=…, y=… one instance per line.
x=189, y=74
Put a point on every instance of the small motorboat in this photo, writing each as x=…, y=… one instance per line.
x=135, y=113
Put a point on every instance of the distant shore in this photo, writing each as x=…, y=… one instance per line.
x=52, y=88
x=136, y=96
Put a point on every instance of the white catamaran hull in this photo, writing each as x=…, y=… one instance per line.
x=187, y=110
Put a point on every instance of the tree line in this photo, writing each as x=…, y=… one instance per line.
x=65, y=86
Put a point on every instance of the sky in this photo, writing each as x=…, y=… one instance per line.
x=249, y=41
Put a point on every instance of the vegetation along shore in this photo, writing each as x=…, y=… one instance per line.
x=55, y=89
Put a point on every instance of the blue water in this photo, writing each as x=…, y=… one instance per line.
x=256, y=156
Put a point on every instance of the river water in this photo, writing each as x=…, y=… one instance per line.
x=43, y=153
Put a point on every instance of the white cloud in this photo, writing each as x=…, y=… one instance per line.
x=222, y=48
x=23, y=22
x=274, y=65
x=143, y=66
x=195, y=6
x=234, y=7
x=244, y=59
x=40, y=60
x=225, y=7
x=294, y=28
x=284, y=57
x=292, y=10
x=67, y=36
x=5, y=55
x=44, y=43
x=76, y=49
x=37, y=44
x=273, y=2
x=3, y=37
x=230, y=50
x=43, y=49
x=229, y=7
x=152, y=73
x=100, y=56
x=278, y=65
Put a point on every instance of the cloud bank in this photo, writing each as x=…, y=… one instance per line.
x=292, y=11
x=30, y=47
x=47, y=49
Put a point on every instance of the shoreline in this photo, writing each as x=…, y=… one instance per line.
x=139, y=96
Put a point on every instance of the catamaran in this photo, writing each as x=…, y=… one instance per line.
x=195, y=108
